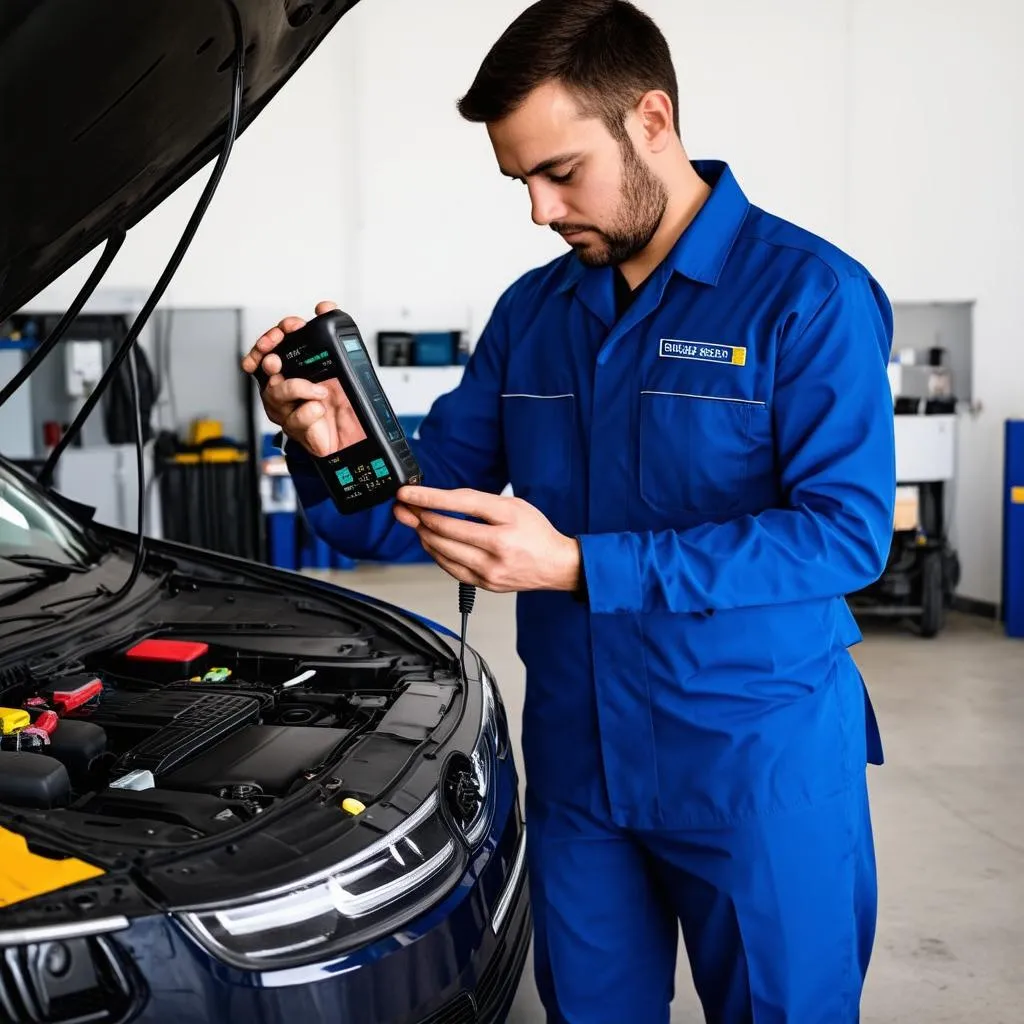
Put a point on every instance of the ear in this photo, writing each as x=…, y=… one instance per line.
x=655, y=116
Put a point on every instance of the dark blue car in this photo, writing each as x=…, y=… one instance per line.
x=227, y=793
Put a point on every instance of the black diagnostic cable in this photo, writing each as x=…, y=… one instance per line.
x=126, y=348
x=113, y=246
x=46, y=473
x=140, y=470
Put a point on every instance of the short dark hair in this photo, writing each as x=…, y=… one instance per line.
x=606, y=52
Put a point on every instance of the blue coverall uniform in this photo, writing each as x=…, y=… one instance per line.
x=695, y=732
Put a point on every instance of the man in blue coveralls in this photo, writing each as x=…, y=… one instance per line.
x=693, y=410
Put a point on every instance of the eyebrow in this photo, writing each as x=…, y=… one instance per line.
x=544, y=165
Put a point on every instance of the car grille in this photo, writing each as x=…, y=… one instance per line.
x=461, y=1010
x=494, y=989
x=501, y=975
x=76, y=981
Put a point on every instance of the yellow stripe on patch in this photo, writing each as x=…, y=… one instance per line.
x=24, y=875
x=1017, y=495
x=739, y=356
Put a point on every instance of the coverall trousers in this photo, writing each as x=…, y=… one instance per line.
x=777, y=915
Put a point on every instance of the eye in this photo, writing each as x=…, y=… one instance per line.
x=562, y=179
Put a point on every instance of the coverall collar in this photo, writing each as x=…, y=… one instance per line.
x=699, y=254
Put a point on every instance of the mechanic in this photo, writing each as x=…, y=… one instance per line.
x=693, y=410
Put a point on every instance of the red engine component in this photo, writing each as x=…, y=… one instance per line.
x=175, y=652
x=68, y=700
x=46, y=722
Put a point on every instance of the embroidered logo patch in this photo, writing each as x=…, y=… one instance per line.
x=733, y=355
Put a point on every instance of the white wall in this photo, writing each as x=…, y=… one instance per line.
x=936, y=202
x=892, y=127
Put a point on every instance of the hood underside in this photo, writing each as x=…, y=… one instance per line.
x=108, y=106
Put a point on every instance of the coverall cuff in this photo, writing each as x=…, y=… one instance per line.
x=580, y=594
x=308, y=485
x=612, y=573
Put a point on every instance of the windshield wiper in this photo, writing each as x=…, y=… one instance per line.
x=47, y=564
x=89, y=595
x=46, y=613
x=49, y=573
x=31, y=617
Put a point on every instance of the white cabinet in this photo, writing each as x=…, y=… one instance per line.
x=925, y=448
x=105, y=478
x=413, y=389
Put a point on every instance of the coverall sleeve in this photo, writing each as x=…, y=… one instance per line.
x=460, y=445
x=834, y=432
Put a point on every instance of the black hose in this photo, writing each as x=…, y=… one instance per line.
x=126, y=349
x=113, y=246
x=140, y=469
x=46, y=473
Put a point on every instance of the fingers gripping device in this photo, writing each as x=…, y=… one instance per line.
x=374, y=458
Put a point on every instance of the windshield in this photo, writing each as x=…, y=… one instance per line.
x=31, y=526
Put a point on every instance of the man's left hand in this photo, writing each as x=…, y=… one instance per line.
x=514, y=548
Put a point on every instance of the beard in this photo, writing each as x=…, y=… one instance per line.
x=642, y=203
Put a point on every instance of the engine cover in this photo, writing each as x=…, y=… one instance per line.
x=166, y=727
x=271, y=757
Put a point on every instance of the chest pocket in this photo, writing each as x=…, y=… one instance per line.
x=538, y=441
x=695, y=451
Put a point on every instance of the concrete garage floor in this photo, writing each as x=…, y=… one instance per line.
x=948, y=807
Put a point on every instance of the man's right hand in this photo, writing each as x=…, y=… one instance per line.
x=317, y=416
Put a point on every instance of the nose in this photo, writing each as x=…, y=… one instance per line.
x=547, y=205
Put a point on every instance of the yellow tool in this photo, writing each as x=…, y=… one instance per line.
x=13, y=719
x=205, y=430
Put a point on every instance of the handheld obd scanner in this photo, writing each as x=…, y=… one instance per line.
x=374, y=458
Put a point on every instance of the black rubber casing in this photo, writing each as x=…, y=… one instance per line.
x=33, y=780
x=77, y=745
x=366, y=472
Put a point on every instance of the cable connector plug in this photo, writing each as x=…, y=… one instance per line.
x=467, y=598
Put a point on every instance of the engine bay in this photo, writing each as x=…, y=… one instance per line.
x=206, y=725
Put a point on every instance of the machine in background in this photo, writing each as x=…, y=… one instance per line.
x=923, y=569
x=201, y=472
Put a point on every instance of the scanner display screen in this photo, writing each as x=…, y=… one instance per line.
x=366, y=462
x=317, y=364
x=360, y=362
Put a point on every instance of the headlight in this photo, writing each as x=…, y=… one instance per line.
x=379, y=889
x=401, y=873
x=468, y=785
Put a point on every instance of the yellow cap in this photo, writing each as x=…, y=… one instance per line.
x=13, y=719
x=352, y=805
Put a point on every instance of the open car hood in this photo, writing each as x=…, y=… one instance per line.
x=108, y=106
